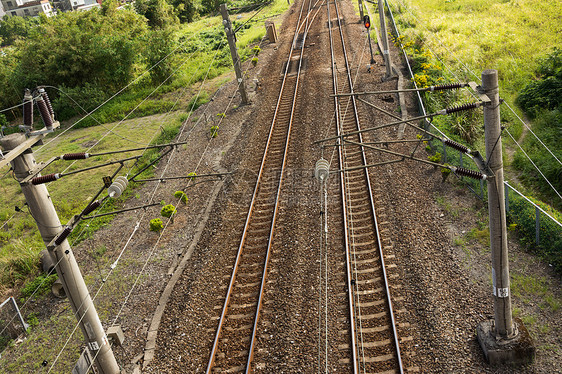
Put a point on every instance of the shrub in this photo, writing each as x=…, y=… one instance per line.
x=435, y=158
x=546, y=93
x=156, y=224
x=256, y=50
x=214, y=131
x=168, y=211
x=255, y=61
x=192, y=175
x=180, y=195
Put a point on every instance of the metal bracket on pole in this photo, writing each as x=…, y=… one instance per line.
x=25, y=145
x=478, y=90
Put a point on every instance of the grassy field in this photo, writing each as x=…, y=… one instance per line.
x=458, y=39
x=473, y=35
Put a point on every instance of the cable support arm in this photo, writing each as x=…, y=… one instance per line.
x=461, y=171
x=55, y=176
x=420, y=129
x=132, y=179
x=61, y=237
x=439, y=113
x=139, y=149
x=121, y=211
x=474, y=155
x=94, y=204
x=443, y=87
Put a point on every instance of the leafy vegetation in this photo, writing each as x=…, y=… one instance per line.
x=168, y=211
x=38, y=286
x=454, y=41
x=181, y=196
x=214, y=131
x=156, y=224
x=523, y=215
x=542, y=100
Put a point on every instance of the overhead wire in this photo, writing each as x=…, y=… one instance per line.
x=98, y=141
x=252, y=16
x=178, y=201
x=95, y=119
x=536, y=167
x=166, y=225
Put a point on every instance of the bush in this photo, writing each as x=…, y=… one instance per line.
x=435, y=158
x=546, y=93
x=180, y=195
x=214, y=131
x=156, y=224
x=255, y=61
x=168, y=211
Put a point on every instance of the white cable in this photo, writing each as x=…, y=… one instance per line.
x=535, y=135
x=111, y=269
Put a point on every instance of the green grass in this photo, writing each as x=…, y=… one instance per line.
x=524, y=287
x=20, y=240
x=503, y=35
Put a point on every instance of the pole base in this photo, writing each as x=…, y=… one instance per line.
x=519, y=350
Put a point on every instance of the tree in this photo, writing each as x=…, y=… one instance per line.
x=187, y=10
x=15, y=28
x=159, y=13
x=82, y=47
x=211, y=6
x=158, y=49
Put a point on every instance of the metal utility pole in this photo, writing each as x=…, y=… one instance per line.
x=44, y=213
x=496, y=207
x=384, y=37
x=234, y=52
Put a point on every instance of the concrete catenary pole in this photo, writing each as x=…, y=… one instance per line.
x=384, y=37
x=360, y=2
x=496, y=208
x=44, y=213
x=234, y=53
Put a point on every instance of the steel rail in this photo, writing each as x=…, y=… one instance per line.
x=276, y=209
x=339, y=131
x=252, y=205
x=370, y=194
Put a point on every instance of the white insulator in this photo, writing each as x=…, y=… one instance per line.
x=117, y=187
x=322, y=170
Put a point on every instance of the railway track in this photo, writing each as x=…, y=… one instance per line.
x=235, y=339
x=373, y=338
